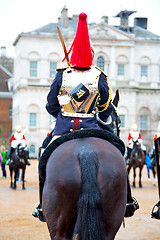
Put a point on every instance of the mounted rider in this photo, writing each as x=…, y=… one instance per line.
x=134, y=135
x=16, y=139
x=80, y=94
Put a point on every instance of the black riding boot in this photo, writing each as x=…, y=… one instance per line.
x=132, y=204
x=156, y=213
x=9, y=155
x=37, y=212
x=129, y=150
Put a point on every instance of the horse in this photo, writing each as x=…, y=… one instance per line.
x=85, y=191
x=19, y=161
x=137, y=160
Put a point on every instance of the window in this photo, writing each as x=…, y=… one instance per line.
x=144, y=73
x=100, y=63
x=143, y=122
x=120, y=71
x=32, y=120
x=53, y=66
x=32, y=149
x=33, y=68
x=10, y=110
x=122, y=118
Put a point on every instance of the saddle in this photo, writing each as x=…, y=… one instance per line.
x=103, y=134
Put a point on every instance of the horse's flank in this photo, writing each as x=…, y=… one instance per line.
x=66, y=184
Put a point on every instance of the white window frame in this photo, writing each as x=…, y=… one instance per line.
x=33, y=69
x=100, y=62
x=121, y=71
x=32, y=121
x=52, y=69
x=143, y=122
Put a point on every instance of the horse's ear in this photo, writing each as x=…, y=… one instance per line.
x=116, y=98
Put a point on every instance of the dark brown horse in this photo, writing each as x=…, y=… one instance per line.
x=19, y=161
x=137, y=160
x=85, y=191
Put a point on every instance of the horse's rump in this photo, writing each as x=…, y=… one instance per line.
x=66, y=182
x=86, y=133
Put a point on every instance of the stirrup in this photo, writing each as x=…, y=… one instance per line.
x=156, y=213
x=38, y=213
x=131, y=208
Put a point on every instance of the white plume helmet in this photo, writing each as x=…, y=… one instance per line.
x=134, y=127
x=18, y=128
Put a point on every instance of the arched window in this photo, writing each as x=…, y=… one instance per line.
x=33, y=64
x=100, y=62
x=121, y=61
x=144, y=68
x=144, y=118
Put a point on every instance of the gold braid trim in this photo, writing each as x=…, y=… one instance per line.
x=105, y=105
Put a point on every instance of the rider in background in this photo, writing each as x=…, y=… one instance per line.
x=134, y=135
x=80, y=94
x=17, y=138
x=157, y=135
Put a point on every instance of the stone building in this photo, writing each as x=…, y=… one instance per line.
x=130, y=55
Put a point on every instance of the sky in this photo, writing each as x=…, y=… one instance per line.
x=18, y=16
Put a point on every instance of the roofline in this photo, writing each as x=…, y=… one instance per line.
x=6, y=94
x=6, y=71
x=115, y=29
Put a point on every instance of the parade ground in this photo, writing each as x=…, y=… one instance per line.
x=17, y=223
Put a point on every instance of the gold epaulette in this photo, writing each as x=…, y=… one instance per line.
x=58, y=69
x=105, y=105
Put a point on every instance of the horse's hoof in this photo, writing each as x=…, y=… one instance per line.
x=140, y=186
x=23, y=188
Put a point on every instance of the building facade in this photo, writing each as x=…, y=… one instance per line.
x=5, y=107
x=129, y=55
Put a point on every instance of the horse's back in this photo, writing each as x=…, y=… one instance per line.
x=63, y=184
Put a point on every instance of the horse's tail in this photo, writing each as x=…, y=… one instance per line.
x=90, y=216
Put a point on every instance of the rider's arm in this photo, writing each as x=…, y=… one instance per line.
x=12, y=138
x=52, y=105
x=105, y=96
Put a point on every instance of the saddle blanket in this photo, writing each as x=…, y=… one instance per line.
x=103, y=134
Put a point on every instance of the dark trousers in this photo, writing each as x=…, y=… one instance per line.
x=3, y=165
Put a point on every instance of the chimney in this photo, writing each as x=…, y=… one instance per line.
x=64, y=17
x=141, y=22
x=3, y=51
x=124, y=15
x=104, y=19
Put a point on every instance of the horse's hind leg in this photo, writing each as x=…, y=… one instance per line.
x=140, y=177
x=15, y=185
x=23, y=176
x=134, y=177
x=11, y=174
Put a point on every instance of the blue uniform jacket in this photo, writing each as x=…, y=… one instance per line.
x=67, y=124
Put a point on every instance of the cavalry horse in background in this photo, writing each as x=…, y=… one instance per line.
x=137, y=160
x=85, y=190
x=19, y=161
